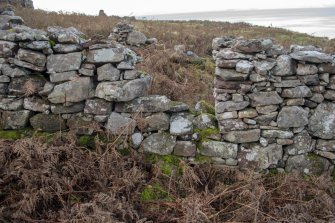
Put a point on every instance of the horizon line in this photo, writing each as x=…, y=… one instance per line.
x=232, y=10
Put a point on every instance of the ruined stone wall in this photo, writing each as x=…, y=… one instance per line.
x=58, y=80
x=276, y=105
x=274, y=109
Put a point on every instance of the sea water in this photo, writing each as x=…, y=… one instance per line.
x=313, y=21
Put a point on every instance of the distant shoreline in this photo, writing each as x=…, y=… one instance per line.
x=314, y=21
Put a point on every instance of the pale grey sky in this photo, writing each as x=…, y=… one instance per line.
x=148, y=7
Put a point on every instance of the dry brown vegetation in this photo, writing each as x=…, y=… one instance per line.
x=62, y=182
x=181, y=79
x=56, y=180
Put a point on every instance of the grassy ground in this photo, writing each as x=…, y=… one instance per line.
x=180, y=78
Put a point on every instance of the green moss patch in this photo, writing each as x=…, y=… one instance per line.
x=202, y=159
x=155, y=192
x=87, y=141
x=167, y=163
x=10, y=134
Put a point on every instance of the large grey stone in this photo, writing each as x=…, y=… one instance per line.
x=306, y=69
x=24, y=64
x=33, y=57
x=265, y=98
x=231, y=125
x=67, y=48
x=15, y=119
x=108, y=72
x=266, y=120
x=185, y=148
x=73, y=108
x=152, y=103
x=7, y=48
x=177, y=106
x=285, y=66
x=66, y=35
x=248, y=113
x=4, y=79
x=307, y=164
x=9, y=21
x=10, y=71
x=287, y=84
x=254, y=77
x=120, y=125
x=27, y=85
x=263, y=67
x=327, y=68
x=330, y=95
x=21, y=33
x=111, y=55
x=11, y=104
x=76, y=90
x=228, y=54
x=292, y=116
x=230, y=75
x=222, y=63
x=36, y=104
x=47, y=123
x=123, y=90
x=257, y=157
x=325, y=145
x=302, y=144
x=219, y=149
x=228, y=106
x=156, y=122
x=296, y=48
x=62, y=77
x=244, y=66
x=251, y=46
x=3, y=88
x=310, y=80
x=97, y=107
x=266, y=109
x=159, y=143
x=181, y=124
x=243, y=136
x=312, y=56
x=36, y=45
x=277, y=134
x=136, y=38
x=322, y=122
x=58, y=63
x=297, y=92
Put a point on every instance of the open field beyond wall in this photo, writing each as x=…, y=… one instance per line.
x=179, y=78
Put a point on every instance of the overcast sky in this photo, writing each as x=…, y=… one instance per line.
x=149, y=7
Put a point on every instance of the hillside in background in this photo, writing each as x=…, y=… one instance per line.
x=184, y=79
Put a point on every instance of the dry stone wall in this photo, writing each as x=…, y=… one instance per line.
x=58, y=80
x=274, y=109
x=277, y=106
